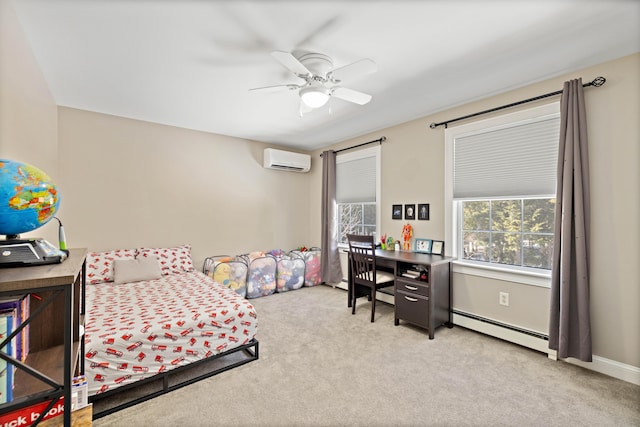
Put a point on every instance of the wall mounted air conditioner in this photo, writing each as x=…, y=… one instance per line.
x=286, y=160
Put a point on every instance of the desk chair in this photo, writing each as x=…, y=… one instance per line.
x=362, y=253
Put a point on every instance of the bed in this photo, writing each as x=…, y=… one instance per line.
x=149, y=313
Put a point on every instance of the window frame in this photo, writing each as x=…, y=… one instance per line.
x=523, y=275
x=356, y=155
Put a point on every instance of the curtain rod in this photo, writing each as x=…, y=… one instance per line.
x=597, y=82
x=380, y=140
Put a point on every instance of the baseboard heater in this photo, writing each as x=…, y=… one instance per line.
x=525, y=337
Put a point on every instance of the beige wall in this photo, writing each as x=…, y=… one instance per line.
x=130, y=183
x=413, y=172
x=28, y=113
x=127, y=183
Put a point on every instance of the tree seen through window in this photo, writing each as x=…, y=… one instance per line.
x=515, y=232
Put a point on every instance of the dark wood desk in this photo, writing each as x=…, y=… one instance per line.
x=423, y=303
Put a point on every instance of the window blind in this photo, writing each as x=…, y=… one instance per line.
x=356, y=180
x=519, y=160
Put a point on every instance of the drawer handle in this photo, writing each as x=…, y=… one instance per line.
x=411, y=288
x=410, y=299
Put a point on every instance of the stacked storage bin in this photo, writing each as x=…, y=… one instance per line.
x=289, y=272
x=228, y=271
x=313, y=274
x=261, y=277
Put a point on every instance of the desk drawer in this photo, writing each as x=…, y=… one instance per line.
x=412, y=286
x=412, y=308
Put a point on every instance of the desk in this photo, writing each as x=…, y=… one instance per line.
x=424, y=303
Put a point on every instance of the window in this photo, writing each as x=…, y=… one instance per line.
x=516, y=232
x=358, y=192
x=501, y=183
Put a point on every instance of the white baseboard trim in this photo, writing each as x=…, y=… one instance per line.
x=599, y=364
x=612, y=368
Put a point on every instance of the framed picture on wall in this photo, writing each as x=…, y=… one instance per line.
x=437, y=247
x=423, y=246
x=409, y=211
x=423, y=211
x=396, y=212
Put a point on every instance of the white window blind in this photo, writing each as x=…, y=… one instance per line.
x=356, y=180
x=518, y=160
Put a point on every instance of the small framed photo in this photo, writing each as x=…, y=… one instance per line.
x=423, y=246
x=423, y=211
x=437, y=247
x=409, y=211
x=396, y=212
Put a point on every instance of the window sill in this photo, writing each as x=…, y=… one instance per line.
x=542, y=279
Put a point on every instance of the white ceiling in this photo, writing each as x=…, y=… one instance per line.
x=190, y=63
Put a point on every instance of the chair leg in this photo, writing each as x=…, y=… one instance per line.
x=373, y=304
x=353, y=299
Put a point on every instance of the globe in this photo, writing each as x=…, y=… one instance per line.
x=28, y=198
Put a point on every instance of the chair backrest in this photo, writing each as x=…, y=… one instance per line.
x=363, y=257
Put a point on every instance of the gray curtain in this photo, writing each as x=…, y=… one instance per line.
x=330, y=259
x=570, y=324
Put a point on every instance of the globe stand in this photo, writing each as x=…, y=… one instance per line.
x=16, y=252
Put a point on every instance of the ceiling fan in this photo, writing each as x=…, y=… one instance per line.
x=320, y=80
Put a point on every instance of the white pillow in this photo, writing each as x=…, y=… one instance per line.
x=135, y=270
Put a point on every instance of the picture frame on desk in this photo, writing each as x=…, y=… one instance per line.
x=423, y=246
x=437, y=247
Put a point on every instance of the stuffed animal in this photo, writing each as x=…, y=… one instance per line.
x=221, y=273
x=313, y=273
x=231, y=274
x=296, y=280
x=283, y=277
x=290, y=274
x=262, y=280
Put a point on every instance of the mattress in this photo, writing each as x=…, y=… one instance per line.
x=136, y=330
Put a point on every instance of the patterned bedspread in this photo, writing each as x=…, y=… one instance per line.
x=136, y=330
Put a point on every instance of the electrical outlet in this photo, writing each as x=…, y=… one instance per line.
x=504, y=299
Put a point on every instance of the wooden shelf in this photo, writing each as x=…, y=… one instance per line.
x=30, y=279
x=49, y=285
x=49, y=362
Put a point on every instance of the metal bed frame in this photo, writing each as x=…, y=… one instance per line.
x=250, y=350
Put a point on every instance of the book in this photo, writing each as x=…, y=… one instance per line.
x=28, y=415
x=7, y=326
x=79, y=393
x=411, y=275
x=21, y=305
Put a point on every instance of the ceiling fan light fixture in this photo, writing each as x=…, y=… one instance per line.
x=314, y=97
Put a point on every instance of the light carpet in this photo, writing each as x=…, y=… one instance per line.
x=321, y=366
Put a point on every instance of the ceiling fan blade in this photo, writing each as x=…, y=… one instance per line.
x=274, y=88
x=354, y=70
x=291, y=63
x=351, y=95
